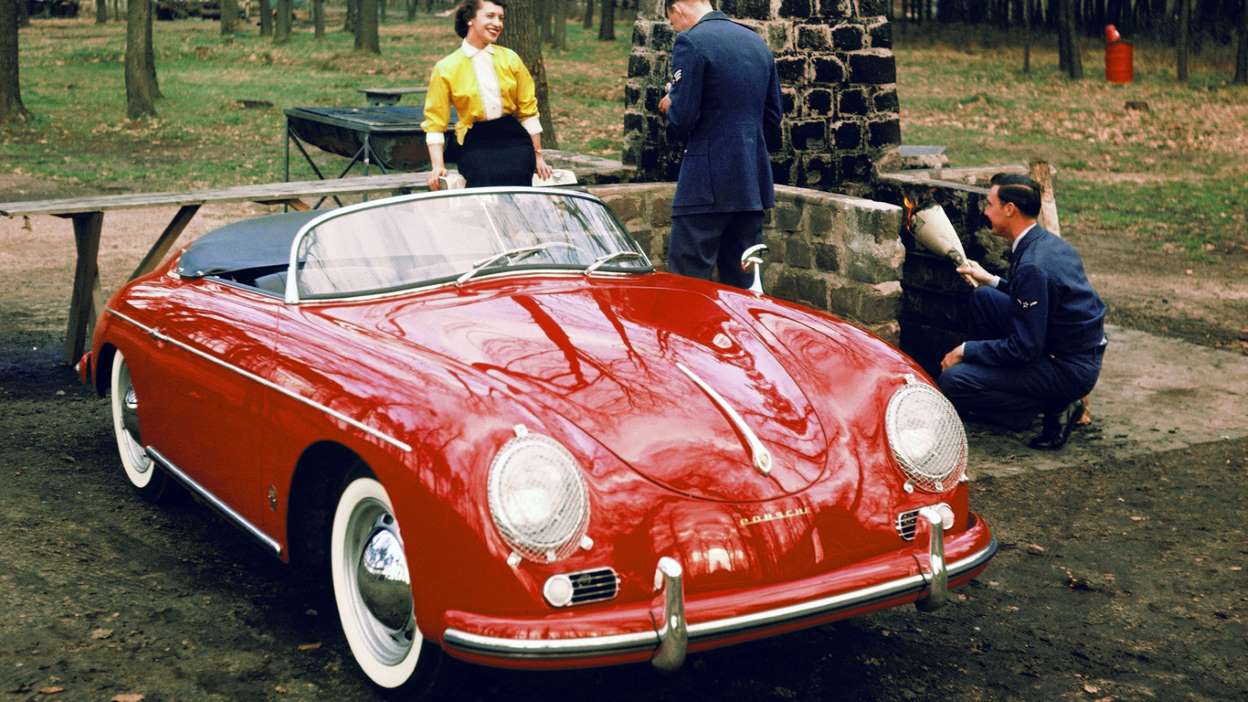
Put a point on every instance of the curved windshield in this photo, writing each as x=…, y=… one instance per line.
x=430, y=240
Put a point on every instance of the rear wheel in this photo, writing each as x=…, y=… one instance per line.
x=373, y=591
x=146, y=477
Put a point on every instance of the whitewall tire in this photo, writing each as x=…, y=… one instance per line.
x=142, y=472
x=372, y=589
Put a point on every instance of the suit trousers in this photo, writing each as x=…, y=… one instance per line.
x=701, y=242
x=1012, y=396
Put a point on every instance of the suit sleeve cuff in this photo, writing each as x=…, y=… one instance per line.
x=996, y=281
x=435, y=138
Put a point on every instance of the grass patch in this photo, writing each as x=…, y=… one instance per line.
x=1171, y=175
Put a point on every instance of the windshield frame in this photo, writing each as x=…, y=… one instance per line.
x=292, y=296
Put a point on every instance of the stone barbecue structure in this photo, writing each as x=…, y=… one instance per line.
x=837, y=83
x=837, y=239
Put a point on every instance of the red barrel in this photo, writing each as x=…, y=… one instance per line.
x=1118, y=62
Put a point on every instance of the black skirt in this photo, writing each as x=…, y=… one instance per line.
x=497, y=152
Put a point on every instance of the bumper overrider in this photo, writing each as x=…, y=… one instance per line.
x=672, y=636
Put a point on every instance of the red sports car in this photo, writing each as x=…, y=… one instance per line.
x=499, y=434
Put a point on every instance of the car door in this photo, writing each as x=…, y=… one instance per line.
x=216, y=351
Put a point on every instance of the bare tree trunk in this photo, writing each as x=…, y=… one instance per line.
x=1068, y=39
x=543, y=20
x=1241, y=56
x=411, y=10
x=266, y=18
x=381, y=10
x=366, y=34
x=281, y=23
x=141, y=92
x=318, y=18
x=151, y=50
x=23, y=13
x=11, y=107
x=1026, y=36
x=229, y=17
x=588, y=20
x=352, y=22
x=561, y=24
x=606, y=23
x=1185, y=13
x=522, y=35
x=101, y=11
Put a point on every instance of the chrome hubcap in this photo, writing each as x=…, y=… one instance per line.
x=382, y=577
x=130, y=423
x=383, y=602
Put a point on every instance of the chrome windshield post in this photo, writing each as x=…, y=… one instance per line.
x=674, y=632
x=938, y=579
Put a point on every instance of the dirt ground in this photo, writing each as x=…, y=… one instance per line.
x=1119, y=578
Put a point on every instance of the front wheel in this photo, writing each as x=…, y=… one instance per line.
x=373, y=591
x=142, y=472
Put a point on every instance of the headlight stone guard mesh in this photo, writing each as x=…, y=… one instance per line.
x=942, y=466
x=560, y=535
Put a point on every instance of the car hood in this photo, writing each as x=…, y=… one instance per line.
x=666, y=378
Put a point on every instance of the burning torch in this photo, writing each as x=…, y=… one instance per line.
x=931, y=228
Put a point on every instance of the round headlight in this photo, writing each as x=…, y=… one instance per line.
x=538, y=498
x=926, y=436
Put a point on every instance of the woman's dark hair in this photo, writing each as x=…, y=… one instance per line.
x=467, y=10
x=1020, y=190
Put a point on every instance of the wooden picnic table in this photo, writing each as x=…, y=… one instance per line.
x=389, y=96
x=87, y=214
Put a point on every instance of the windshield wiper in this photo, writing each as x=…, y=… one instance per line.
x=604, y=260
x=508, y=255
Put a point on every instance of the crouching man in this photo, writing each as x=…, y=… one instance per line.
x=1036, y=336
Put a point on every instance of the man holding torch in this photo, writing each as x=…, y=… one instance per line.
x=1037, y=336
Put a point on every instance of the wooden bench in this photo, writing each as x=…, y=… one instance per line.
x=87, y=214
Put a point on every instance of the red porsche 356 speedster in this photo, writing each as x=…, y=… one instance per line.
x=501, y=435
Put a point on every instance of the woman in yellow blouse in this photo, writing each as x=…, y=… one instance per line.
x=493, y=94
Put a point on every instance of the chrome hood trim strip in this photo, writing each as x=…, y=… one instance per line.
x=214, y=501
x=159, y=336
x=648, y=640
x=759, y=454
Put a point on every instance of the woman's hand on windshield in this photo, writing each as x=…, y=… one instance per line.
x=432, y=178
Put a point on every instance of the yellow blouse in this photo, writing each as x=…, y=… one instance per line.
x=454, y=82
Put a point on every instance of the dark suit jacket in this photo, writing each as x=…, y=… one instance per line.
x=1056, y=311
x=726, y=103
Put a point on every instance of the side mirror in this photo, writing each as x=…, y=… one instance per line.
x=754, y=257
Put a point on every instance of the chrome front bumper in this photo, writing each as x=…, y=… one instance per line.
x=669, y=643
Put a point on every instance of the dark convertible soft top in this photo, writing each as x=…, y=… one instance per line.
x=251, y=243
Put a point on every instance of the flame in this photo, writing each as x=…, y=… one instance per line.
x=909, y=211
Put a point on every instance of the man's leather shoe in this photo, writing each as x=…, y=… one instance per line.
x=1057, y=427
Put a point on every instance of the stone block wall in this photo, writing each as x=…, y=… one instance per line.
x=833, y=252
x=838, y=88
x=933, y=305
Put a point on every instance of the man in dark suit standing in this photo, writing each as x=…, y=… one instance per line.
x=724, y=99
x=1037, y=336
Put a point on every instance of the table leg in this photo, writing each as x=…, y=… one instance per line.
x=86, y=298
x=165, y=241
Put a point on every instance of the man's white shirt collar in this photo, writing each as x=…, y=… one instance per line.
x=1014, y=246
x=470, y=50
